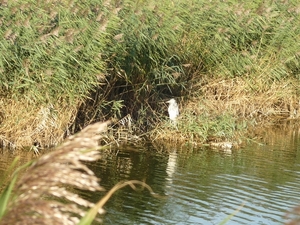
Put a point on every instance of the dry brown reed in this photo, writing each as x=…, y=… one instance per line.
x=252, y=98
x=23, y=123
x=52, y=176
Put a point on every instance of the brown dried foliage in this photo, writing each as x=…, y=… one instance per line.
x=52, y=176
x=22, y=123
x=252, y=98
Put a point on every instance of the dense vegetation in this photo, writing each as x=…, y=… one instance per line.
x=65, y=64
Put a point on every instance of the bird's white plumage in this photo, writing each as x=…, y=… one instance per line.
x=173, y=109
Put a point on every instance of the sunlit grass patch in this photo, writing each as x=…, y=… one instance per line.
x=197, y=128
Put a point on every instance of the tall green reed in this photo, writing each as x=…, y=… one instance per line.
x=50, y=51
x=243, y=39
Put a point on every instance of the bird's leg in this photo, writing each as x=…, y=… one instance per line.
x=174, y=124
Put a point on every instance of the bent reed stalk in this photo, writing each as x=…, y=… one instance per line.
x=43, y=194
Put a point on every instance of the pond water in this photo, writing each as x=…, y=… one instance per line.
x=258, y=183
x=204, y=186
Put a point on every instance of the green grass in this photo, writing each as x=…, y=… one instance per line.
x=49, y=52
x=7, y=195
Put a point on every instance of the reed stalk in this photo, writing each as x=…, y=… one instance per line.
x=43, y=195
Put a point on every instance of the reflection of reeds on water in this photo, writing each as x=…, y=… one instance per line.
x=171, y=166
x=122, y=131
x=48, y=178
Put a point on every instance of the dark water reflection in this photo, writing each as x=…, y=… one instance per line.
x=205, y=186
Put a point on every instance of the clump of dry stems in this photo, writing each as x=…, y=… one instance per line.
x=51, y=177
x=23, y=123
x=253, y=98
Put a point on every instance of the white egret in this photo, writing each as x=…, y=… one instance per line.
x=173, y=110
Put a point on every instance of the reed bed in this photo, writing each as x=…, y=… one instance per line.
x=244, y=99
x=230, y=64
x=66, y=64
x=229, y=110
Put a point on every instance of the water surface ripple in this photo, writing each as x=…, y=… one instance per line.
x=258, y=183
x=203, y=186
